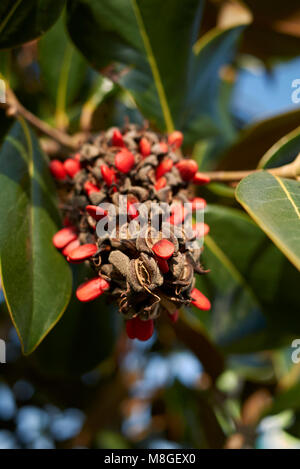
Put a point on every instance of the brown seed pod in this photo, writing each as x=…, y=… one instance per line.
x=140, y=164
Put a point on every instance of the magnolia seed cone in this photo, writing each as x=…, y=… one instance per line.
x=144, y=273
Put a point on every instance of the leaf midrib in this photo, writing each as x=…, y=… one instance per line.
x=294, y=259
x=154, y=68
x=283, y=187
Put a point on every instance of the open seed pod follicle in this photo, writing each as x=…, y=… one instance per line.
x=128, y=212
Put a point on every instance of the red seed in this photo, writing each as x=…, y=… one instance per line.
x=124, y=161
x=145, y=147
x=175, y=139
x=163, y=249
x=77, y=156
x=132, y=211
x=83, y=252
x=104, y=284
x=198, y=204
x=163, y=147
x=130, y=329
x=199, y=300
x=117, y=139
x=163, y=265
x=200, y=178
x=72, y=167
x=90, y=290
x=138, y=329
x=66, y=222
x=114, y=176
x=179, y=212
x=70, y=247
x=96, y=212
x=187, y=169
x=89, y=187
x=143, y=329
x=200, y=229
x=58, y=170
x=64, y=237
x=164, y=167
x=107, y=174
x=174, y=316
x=160, y=183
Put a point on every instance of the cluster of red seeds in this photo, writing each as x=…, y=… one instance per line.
x=153, y=169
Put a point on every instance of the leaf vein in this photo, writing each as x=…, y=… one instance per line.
x=154, y=68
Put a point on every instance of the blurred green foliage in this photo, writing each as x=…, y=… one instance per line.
x=174, y=64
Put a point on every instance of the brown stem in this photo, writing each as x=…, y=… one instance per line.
x=291, y=171
x=15, y=108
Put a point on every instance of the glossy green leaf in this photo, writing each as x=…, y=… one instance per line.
x=274, y=203
x=256, y=139
x=172, y=84
x=137, y=37
x=63, y=70
x=282, y=152
x=24, y=20
x=250, y=285
x=35, y=277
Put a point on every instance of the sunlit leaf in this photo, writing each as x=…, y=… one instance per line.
x=274, y=203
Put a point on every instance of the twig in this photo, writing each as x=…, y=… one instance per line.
x=14, y=108
x=291, y=171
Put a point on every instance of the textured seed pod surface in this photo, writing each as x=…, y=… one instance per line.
x=156, y=267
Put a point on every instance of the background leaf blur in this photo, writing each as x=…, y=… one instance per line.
x=222, y=72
